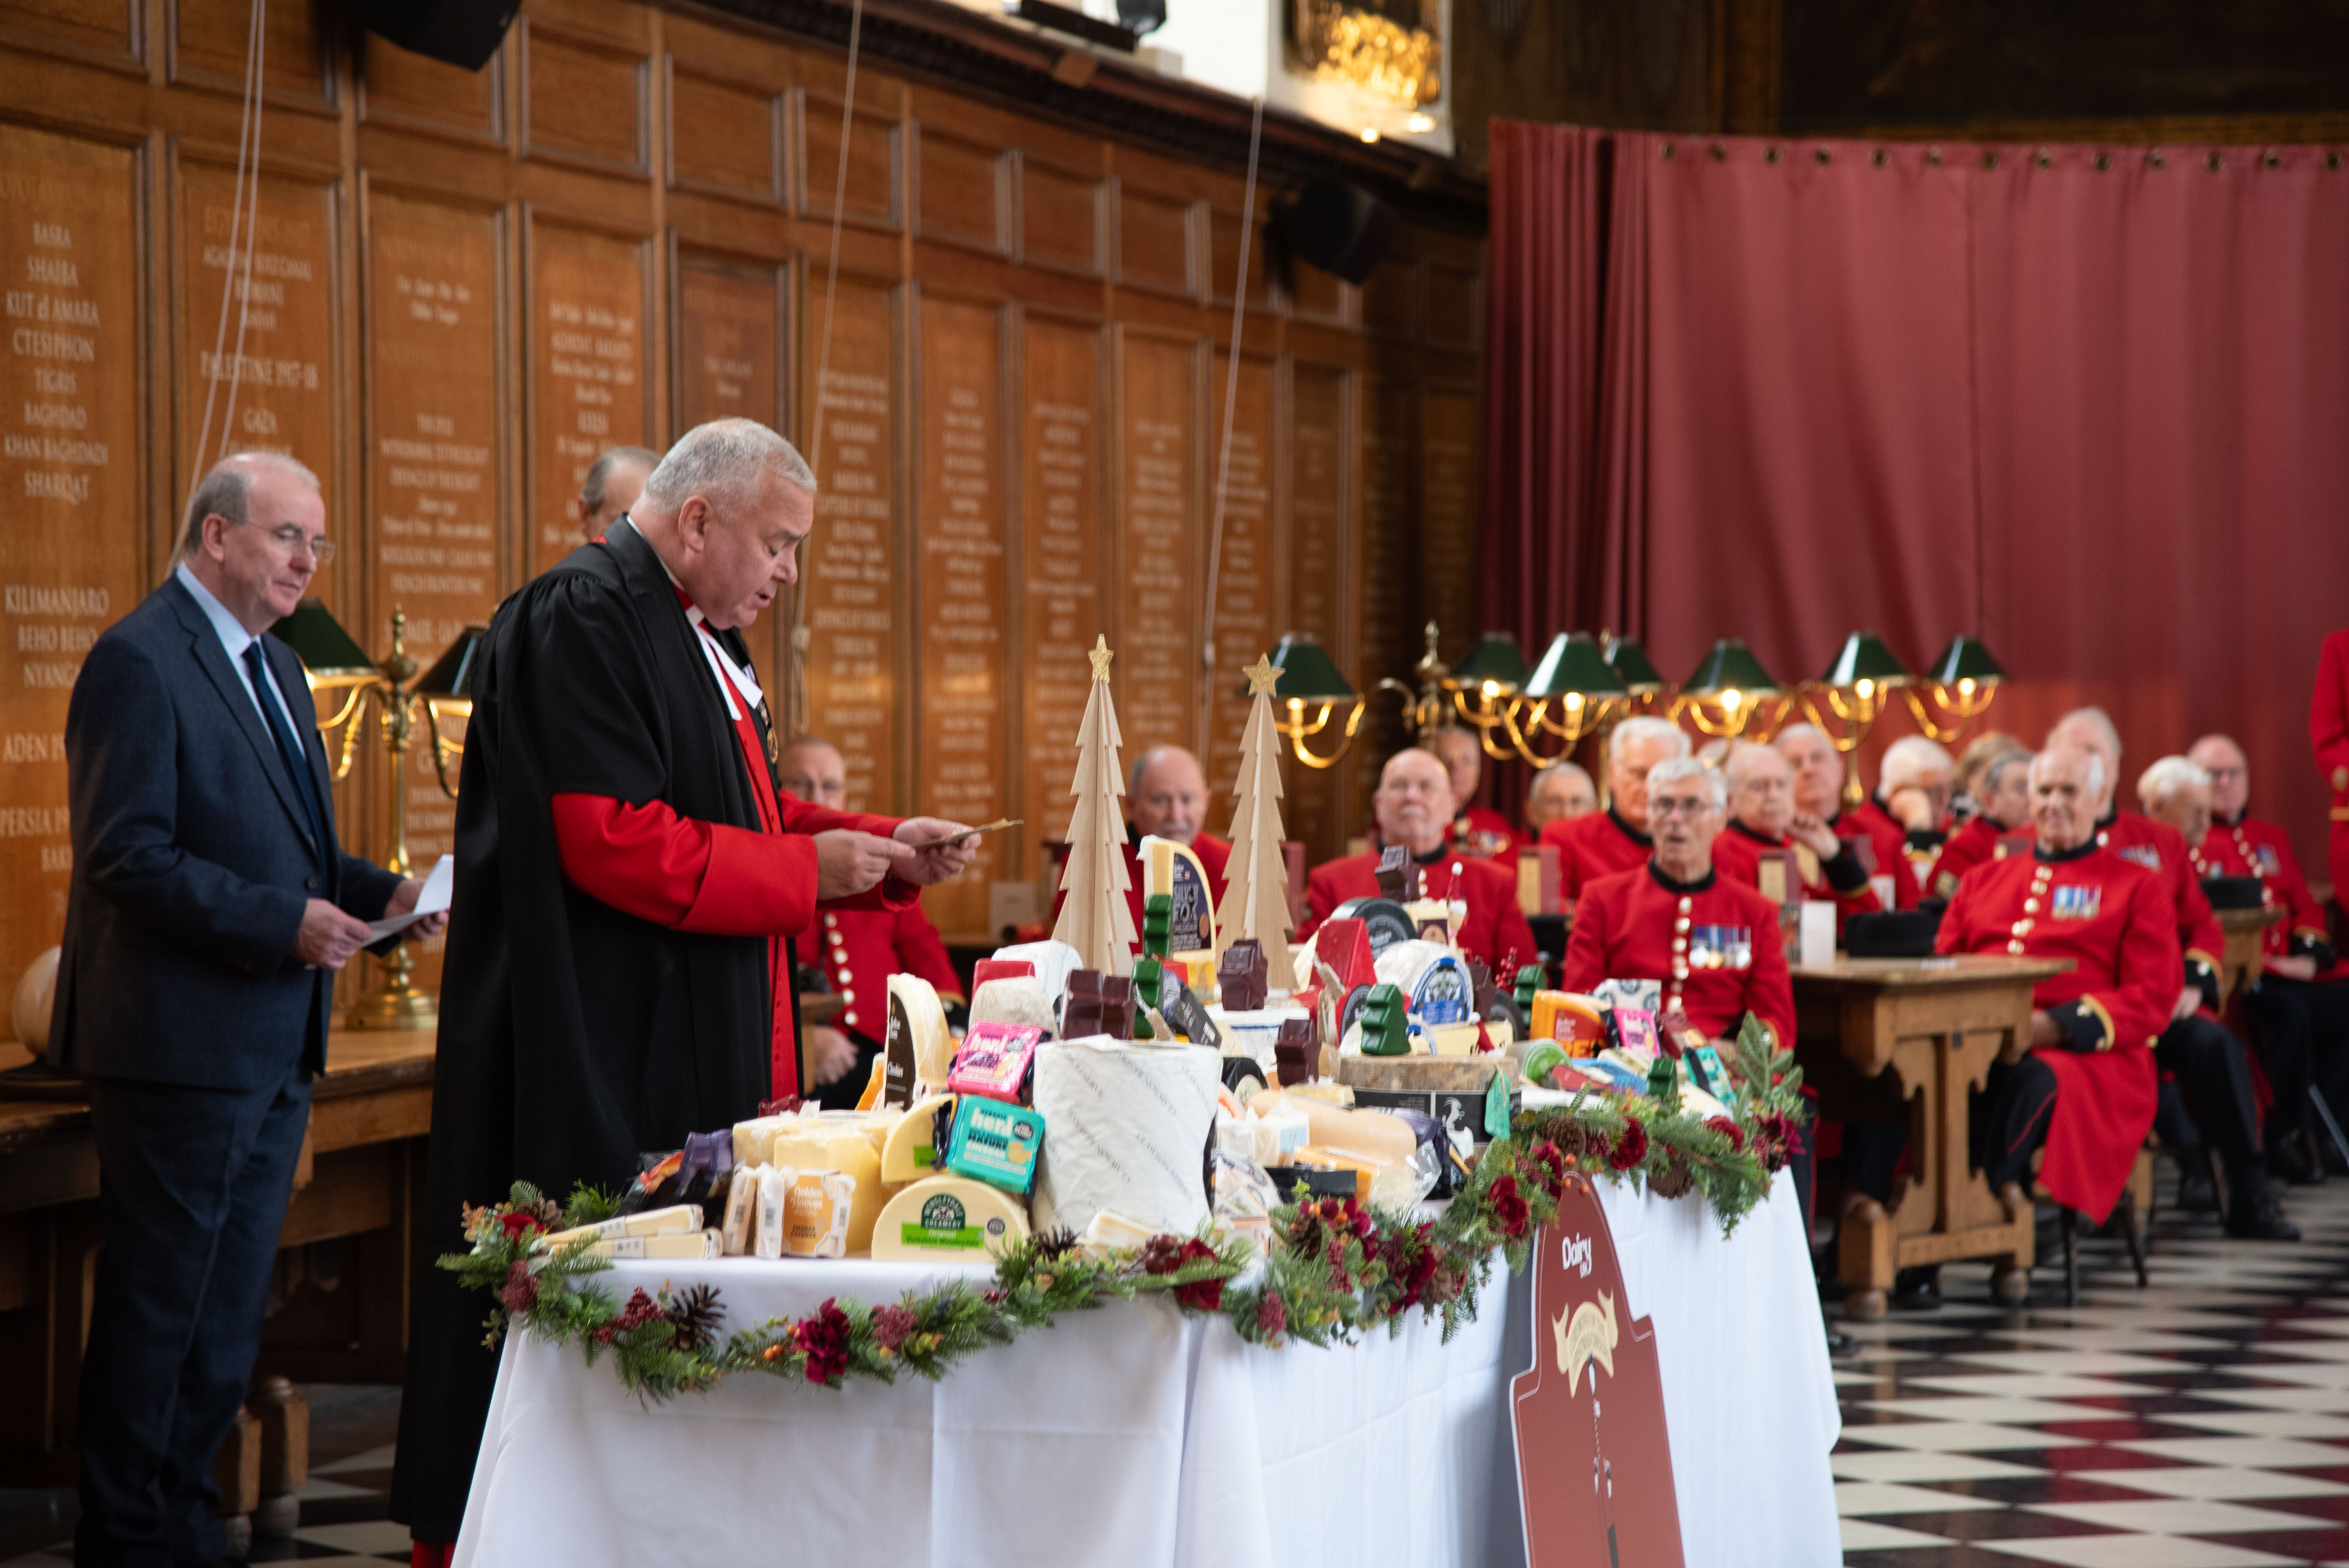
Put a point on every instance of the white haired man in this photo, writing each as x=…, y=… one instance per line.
x=630, y=884
x=1557, y=793
x=1818, y=792
x=1616, y=840
x=2001, y=790
x=1912, y=798
x=1763, y=816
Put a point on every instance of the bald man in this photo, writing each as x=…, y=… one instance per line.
x=1819, y=792
x=1165, y=797
x=861, y=949
x=615, y=479
x=1476, y=829
x=1414, y=807
x=1558, y=793
x=1763, y=816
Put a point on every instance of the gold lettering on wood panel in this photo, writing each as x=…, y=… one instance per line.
x=1448, y=514
x=1060, y=555
x=1158, y=634
x=1248, y=577
x=69, y=464
x=433, y=486
x=587, y=354
x=847, y=575
x=1317, y=595
x=727, y=369
x=959, y=594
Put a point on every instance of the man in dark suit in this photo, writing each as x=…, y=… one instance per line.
x=210, y=907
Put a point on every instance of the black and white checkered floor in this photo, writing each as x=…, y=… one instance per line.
x=2202, y=1423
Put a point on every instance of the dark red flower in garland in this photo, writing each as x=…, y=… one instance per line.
x=1165, y=1255
x=1271, y=1316
x=1412, y=1260
x=1782, y=1139
x=1630, y=1145
x=519, y=1293
x=1546, y=1163
x=518, y=1226
x=641, y=1309
x=1727, y=1128
x=823, y=1335
x=891, y=1324
x=1508, y=1205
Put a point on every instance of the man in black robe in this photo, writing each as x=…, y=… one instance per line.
x=629, y=878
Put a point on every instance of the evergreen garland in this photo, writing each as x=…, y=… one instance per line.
x=1333, y=1270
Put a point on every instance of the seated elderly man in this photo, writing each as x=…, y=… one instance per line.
x=1819, y=792
x=1966, y=775
x=1413, y=805
x=1616, y=840
x=1763, y=816
x=1558, y=793
x=2300, y=1014
x=1912, y=798
x=1167, y=798
x=2001, y=799
x=1711, y=941
x=1476, y=829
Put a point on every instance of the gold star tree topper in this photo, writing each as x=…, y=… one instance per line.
x=1262, y=677
x=1100, y=655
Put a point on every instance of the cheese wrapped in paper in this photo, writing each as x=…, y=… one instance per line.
x=1129, y=1126
x=847, y=1148
x=819, y=1214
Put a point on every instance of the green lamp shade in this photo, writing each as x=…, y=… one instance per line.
x=1307, y=672
x=1864, y=657
x=1572, y=662
x=1730, y=666
x=1495, y=661
x=451, y=675
x=1630, y=662
x=1965, y=659
x=325, y=650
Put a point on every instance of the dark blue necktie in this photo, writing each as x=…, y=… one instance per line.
x=289, y=747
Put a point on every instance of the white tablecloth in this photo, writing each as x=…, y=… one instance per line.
x=1130, y=1435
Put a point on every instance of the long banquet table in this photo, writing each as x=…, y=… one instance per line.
x=1133, y=1435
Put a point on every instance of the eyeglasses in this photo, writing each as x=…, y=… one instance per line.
x=1693, y=806
x=294, y=542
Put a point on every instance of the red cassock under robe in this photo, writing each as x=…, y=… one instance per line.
x=1714, y=943
x=2114, y=921
x=1493, y=930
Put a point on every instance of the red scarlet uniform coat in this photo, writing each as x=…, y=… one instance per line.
x=2249, y=847
x=1737, y=855
x=1595, y=844
x=2328, y=732
x=862, y=947
x=1890, y=841
x=1494, y=930
x=1967, y=848
x=1483, y=832
x=2114, y=921
x=2161, y=849
x=1643, y=925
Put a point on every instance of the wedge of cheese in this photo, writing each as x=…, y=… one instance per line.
x=908, y=1151
x=820, y=1146
x=949, y=1219
x=1367, y=1133
x=690, y=1245
x=676, y=1218
x=919, y=1049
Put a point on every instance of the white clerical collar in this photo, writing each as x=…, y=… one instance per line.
x=731, y=678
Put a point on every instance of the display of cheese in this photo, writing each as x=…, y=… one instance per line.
x=1252, y=1034
x=1020, y=1000
x=1054, y=962
x=1129, y=1123
x=740, y=1224
x=1177, y=871
x=816, y=1145
x=1435, y=987
x=947, y=1219
x=996, y=1143
x=752, y=1137
x=650, y=1223
x=819, y=1213
x=690, y=1245
x=909, y=1152
x=774, y=1192
x=917, y=1048
x=1574, y=1020
x=1367, y=1132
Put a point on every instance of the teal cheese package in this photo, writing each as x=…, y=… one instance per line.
x=996, y=1143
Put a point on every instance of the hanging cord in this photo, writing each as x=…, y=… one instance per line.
x=798, y=717
x=1231, y=398
x=248, y=164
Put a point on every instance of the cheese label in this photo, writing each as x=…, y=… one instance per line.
x=945, y=1223
x=816, y=1213
x=996, y=1143
x=1176, y=871
x=897, y=1056
x=994, y=1061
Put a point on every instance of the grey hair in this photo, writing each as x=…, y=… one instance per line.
x=2169, y=776
x=1986, y=782
x=1673, y=768
x=227, y=489
x=1649, y=727
x=1909, y=758
x=724, y=462
x=1563, y=770
x=599, y=474
x=2097, y=719
x=1746, y=752
x=1796, y=731
x=2096, y=767
x=1142, y=764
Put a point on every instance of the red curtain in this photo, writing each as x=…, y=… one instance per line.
x=2089, y=404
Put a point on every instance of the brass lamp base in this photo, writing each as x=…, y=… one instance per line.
x=395, y=1003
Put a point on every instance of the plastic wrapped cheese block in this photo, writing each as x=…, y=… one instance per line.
x=947, y=1219
x=1054, y=962
x=774, y=1192
x=741, y=1209
x=1129, y=1124
x=752, y=1138
x=819, y=1214
x=676, y=1218
x=919, y=1048
x=847, y=1148
x=687, y=1244
x=1020, y=1000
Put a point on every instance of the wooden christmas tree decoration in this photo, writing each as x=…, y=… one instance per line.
x=1256, y=884
x=1095, y=919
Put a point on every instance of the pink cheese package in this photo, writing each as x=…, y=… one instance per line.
x=994, y=1062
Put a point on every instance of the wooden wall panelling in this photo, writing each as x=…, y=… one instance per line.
x=1062, y=562
x=436, y=456
x=726, y=132
x=111, y=33
x=1318, y=296
x=1251, y=599
x=1160, y=543
x=1386, y=606
x=207, y=41
x=585, y=324
x=855, y=653
x=961, y=605
x=1321, y=493
x=874, y=194
x=1063, y=211
x=586, y=97
x=731, y=329
x=962, y=189
x=1449, y=475
x=413, y=92
x=71, y=559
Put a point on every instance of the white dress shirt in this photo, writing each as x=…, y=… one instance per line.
x=234, y=640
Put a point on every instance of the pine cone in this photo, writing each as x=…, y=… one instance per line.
x=696, y=1316
x=1056, y=1243
x=1675, y=1181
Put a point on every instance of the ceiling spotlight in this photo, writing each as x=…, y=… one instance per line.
x=1369, y=133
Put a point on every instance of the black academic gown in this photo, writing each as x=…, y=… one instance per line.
x=573, y=1035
